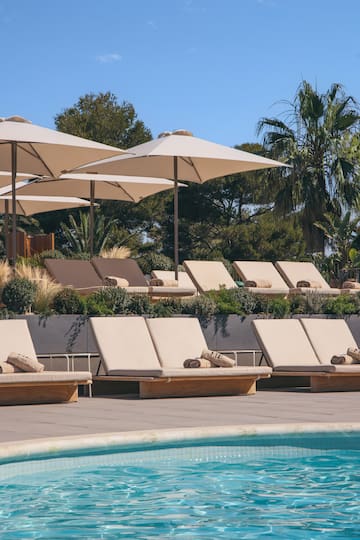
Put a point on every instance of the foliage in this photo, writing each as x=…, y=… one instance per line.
x=155, y=261
x=109, y=300
x=51, y=254
x=234, y=301
x=139, y=304
x=116, y=252
x=46, y=288
x=278, y=308
x=167, y=307
x=317, y=142
x=340, y=233
x=18, y=295
x=69, y=302
x=77, y=234
x=202, y=307
x=345, y=304
x=5, y=273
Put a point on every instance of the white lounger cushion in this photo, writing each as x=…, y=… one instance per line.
x=45, y=377
x=293, y=272
x=284, y=343
x=321, y=368
x=125, y=346
x=209, y=275
x=259, y=270
x=216, y=372
x=176, y=339
x=328, y=337
x=15, y=337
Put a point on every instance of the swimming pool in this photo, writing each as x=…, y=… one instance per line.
x=271, y=485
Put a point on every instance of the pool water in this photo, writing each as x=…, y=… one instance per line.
x=222, y=489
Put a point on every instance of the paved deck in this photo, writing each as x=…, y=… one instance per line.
x=128, y=413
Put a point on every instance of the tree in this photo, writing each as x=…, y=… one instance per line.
x=340, y=233
x=101, y=118
x=316, y=141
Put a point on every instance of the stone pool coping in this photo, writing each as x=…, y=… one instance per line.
x=52, y=447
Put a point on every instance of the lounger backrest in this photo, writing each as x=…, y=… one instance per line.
x=176, y=339
x=184, y=279
x=328, y=337
x=124, y=344
x=15, y=337
x=293, y=272
x=258, y=270
x=209, y=275
x=284, y=342
x=122, y=268
x=74, y=273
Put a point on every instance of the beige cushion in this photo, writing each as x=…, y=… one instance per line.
x=320, y=290
x=15, y=336
x=176, y=339
x=284, y=343
x=114, y=281
x=198, y=363
x=343, y=359
x=238, y=371
x=328, y=337
x=351, y=285
x=5, y=367
x=267, y=291
x=306, y=283
x=46, y=377
x=157, y=282
x=263, y=283
x=354, y=352
x=209, y=275
x=321, y=368
x=293, y=272
x=217, y=358
x=137, y=289
x=184, y=279
x=125, y=346
x=25, y=363
x=260, y=270
x=170, y=291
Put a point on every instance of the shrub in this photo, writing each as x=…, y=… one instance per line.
x=154, y=261
x=69, y=302
x=18, y=295
x=96, y=307
x=51, y=254
x=139, y=304
x=297, y=304
x=234, y=301
x=112, y=299
x=202, y=307
x=315, y=302
x=279, y=308
x=46, y=288
x=167, y=307
x=341, y=305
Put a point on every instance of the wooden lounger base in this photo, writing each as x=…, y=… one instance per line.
x=190, y=386
x=325, y=382
x=32, y=393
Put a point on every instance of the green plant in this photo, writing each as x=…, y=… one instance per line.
x=155, y=261
x=167, y=307
x=18, y=295
x=95, y=307
x=234, y=301
x=114, y=299
x=51, y=254
x=297, y=304
x=279, y=308
x=202, y=307
x=315, y=302
x=139, y=304
x=69, y=302
x=345, y=304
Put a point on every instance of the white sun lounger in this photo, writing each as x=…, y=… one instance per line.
x=289, y=351
x=294, y=272
x=209, y=275
x=26, y=388
x=152, y=352
x=258, y=271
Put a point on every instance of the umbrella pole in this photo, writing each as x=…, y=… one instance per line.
x=91, y=217
x=6, y=228
x=176, y=218
x=13, y=199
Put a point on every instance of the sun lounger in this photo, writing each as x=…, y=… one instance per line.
x=36, y=387
x=184, y=279
x=152, y=352
x=297, y=273
x=288, y=350
x=209, y=275
x=260, y=272
x=76, y=274
x=129, y=269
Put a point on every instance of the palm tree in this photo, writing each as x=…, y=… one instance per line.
x=340, y=233
x=315, y=141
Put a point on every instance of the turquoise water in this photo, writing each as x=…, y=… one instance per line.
x=287, y=487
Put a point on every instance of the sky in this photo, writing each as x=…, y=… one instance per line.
x=212, y=67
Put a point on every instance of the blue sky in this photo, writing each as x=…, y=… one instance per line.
x=214, y=68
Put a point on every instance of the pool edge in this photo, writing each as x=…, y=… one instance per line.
x=54, y=445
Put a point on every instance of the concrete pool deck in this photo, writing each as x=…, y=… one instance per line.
x=127, y=413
